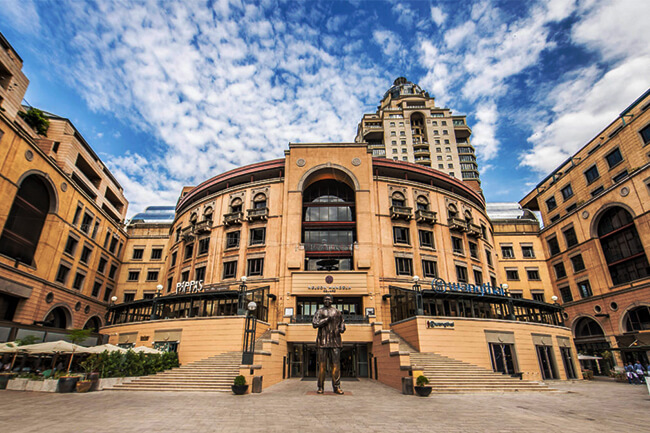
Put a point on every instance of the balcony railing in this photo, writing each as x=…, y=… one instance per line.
x=203, y=227
x=261, y=213
x=187, y=233
x=425, y=216
x=400, y=212
x=322, y=247
x=233, y=218
x=457, y=224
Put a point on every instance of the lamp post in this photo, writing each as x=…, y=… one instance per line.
x=559, y=310
x=241, y=308
x=112, y=304
x=249, y=335
x=154, y=306
x=419, y=304
x=511, y=307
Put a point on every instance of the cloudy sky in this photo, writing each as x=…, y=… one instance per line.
x=170, y=94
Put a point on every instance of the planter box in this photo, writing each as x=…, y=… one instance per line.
x=17, y=384
x=4, y=379
x=112, y=381
x=34, y=385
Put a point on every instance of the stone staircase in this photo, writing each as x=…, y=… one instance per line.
x=214, y=374
x=447, y=376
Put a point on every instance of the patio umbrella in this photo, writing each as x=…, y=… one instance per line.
x=145, y=349
x=588, y=358
x=9, y=347
x=55, y=347
x=105, y=347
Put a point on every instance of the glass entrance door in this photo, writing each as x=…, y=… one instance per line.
x=503, y=357
x=546, y=364
x=567, y=360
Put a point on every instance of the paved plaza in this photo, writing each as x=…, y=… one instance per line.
x=595, y=406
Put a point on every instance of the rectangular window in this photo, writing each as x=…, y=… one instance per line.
x=204, y=246
x=527, y=252
x=258, y=236
x=85, y=254
x=112, y=271
x=77, y=214
x=567, y=192
x=86, y=223
x=577, y=263
x=565, y=293
x=178, y=233
x=401, y=235
x=426, y=238
x=71, y=245
x=133, y=276
x=560, y=272
x=619, y=177
x=533, y=274
x=614, y=157
x=200, y=274
x=488, y=257
x=585, y=289
x=571, y=208
x=404, y=266
x=429, y=269
x=512, y=274
x=461, y=274
x=516, y=295
x=138, y=253
x=570, y=237
x=185, y=275
x=478, y=277
x=255, y=267
x=189, y=251
x=551, y=204
x=170, y=284
x=107, y=293
x=232, y=239
x=507, y=252
x=129, y=297
x=538, y=297
x=95, y=229
x=592, y=174
x=598, y=191
x=107, y=239
x=62, y=273
x=457, y=245
x=173, y=259
x=555, y=218
x=97, y=287
x=553, y=246
x=113, y=245
x=473, y=250
x=102, y=265
x=156, y=254
x=148, y=295
x=229, y=270
x=645, y=135
x=152, y=275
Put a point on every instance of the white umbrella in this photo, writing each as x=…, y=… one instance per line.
x=105, y=347
x=145, y=349
x=56, y=347
x=9, y=347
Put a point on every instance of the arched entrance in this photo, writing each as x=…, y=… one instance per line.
x=635, y=344
x=57, y=318
x=590, y=341
x=94, y=323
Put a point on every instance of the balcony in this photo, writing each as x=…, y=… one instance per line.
x=421, y=152
x=203, y=227
x=261, y=213
x=233, y=218
x=187, y=233
x=400, y=212
x=473, y=230
x=462, y=131
x=457, y=224
x=426, y=216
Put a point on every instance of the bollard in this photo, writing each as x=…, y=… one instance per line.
x=257, y=384
x=407, y=385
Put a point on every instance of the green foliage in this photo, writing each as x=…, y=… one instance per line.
x=240, y=380
x=78, y=336
x=36, y=119
x=118, y=364
x=26, y=340
x=422, y=380
x=90, y=364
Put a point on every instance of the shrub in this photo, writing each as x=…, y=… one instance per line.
x=36, y=119
x=422, y=380
x=240, y=380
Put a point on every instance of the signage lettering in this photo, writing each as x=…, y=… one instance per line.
x=329, y=289
x=193, y=286
x=439, y=285
x=434, y=324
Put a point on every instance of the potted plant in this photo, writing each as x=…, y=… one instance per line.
x=240, y=386
x=421, y=386
x=67, y=382
x=90, y=366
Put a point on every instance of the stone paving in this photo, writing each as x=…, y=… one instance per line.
x=594, y=406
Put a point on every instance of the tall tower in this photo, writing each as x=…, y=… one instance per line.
x=408, y=126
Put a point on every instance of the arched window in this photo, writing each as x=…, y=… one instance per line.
x=587, y=327
x=397, y=199
x=236, y=205
x=259, y=201
x=468, y=216
x=207, y=213
x=637, y=319
x=94, y=323
x=57, y=318
x=622, y=247
x=422, y=203
x=194, y=217
x=452, y=211
x=24, y=225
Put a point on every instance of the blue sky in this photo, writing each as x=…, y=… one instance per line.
x=172, y=93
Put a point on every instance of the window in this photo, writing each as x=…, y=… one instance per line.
x=598, y=191
x=55, y=146
x=112, y=271
x=107, y=238
x=426, y=238
x=236, y=205
x=488, y=257
x=85, y=254
x=229, y=270
x=86, y=223
x=404, y=150
x=461, y=274
x=156, y=254
x=592, y=174
x=404, y=158
x=113, y=245
x=170, y=284
x=538, y=297
x=185, y=275
x=429, y=269
x=200, y=274
x=258, y=236
x=394, y=150
x=473, y=250
x=532, y=274
x=71, y=245
x=555, y=218
x=178, y=234
x=553, y=246
x=401, y=235
x=527, y=251
x=551, y=204
x=512, y=275
x=577, y=263
x=570, y=237
x=255, y=267
x=62, y=273
x=259, y=201
x=619, y=177
x=204, y=246
x=232, y=239
x=133, y=276
x=645, y=135
x=516, y=295
x=567, y=192
x=102, y=265
x=138, y=253
x=152, y=275
x=565, y=293
x=507, y=252
x=441, y=166
x=457, y=245
x=129, y=297
x=189, y=251
x=107, y=293
x=478, y=277
x=173, y=259
x=560, y=272
x=77, y=214
x=404, y=266
x=97, y=287
x=95, y=229
x=614, y=157
x=584, y=288
x=571, y=208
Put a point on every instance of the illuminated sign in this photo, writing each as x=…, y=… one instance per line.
x=193, y=286
x=441, y=286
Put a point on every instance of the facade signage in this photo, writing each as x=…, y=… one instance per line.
x=193, y=286
x=329, y=289
x=313, y=283
x=440, y=286
x=434, y=324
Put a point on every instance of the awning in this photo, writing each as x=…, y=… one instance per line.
x=167, y=335
x=15, y=289
x=127, y=338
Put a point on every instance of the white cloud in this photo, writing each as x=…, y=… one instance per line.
x=437, y=15
x=484, y=131
x=388, y=41
x=21, y=15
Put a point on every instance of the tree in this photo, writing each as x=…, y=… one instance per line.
x=36, y=119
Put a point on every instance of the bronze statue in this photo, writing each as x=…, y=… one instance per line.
x=329, y=322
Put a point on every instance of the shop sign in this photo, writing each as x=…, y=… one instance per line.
x=440, y=286
x=193, y=286
x=434, y=324
x=329, y=289
x=344, y=283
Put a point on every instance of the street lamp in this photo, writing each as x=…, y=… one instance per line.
x=249, y=335
x=418, y=296
x=112, y=304
x=154, y=306
x=241, y=308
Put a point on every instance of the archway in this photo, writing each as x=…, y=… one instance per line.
x=94, y=323
x=58, y=317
